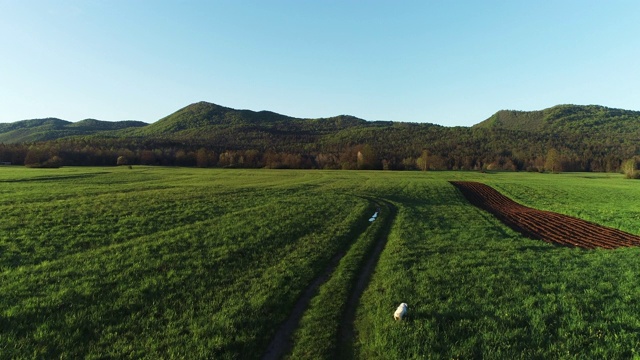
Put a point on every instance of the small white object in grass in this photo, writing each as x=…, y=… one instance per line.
x=401, y=311
x=372, y=219
x=375, y=215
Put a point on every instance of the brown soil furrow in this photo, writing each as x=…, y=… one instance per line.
x=565, y=229
x=604, y=236
x=544, y=225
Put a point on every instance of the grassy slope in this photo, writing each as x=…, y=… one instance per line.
x=160, y=262
x=196, y=263
x=476, y=289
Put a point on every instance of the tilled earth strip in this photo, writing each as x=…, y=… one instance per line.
x=544, y=225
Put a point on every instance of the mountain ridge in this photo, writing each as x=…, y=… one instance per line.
x=566, y=117
x=575, y=137
x=204, y=120
x=46, y=129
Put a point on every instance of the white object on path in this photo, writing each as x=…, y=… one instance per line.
x=401, y=311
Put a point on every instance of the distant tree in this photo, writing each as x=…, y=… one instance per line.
x=348, y=159
x=409, y=163
x=292, y=161
x=202, y=157
x=54, y=162
x=271, y=160
x=147, y=157
x=552, y=161
x=227, y=159
x=122, y=160
x=39, y=158
x=437, y=162
x=367, y=158
x=252, y=159
x=34, y=157
x=327, y=161
x=423, y=161
x=631, y=168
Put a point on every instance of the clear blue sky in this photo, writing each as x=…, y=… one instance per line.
x=446, y=62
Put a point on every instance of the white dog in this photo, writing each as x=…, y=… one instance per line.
x=401, y=311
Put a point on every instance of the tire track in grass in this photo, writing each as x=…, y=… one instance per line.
x=281, y=343
x=346, y=333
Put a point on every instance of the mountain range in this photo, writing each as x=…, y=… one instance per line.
x=203, y=119
x=591, y=138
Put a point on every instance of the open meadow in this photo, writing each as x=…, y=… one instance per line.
x=155, y=262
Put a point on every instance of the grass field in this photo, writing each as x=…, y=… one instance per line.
x=199, y=263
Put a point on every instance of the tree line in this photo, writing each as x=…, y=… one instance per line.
x=395, y=148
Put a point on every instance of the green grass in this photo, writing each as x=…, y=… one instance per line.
x=475, y=289
x=200, y=263
x=601, y=198
x=317, y=336
x=161, y=262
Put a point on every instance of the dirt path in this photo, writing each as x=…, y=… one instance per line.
x=281, y=342
x=346, y=334
x=545, y=225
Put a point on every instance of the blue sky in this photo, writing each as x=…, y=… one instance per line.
x=446, y=62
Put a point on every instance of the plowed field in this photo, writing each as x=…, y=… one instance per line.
x=544, y=225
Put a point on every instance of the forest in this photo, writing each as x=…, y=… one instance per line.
x=560, y=139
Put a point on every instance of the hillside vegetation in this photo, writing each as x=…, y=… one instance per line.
x=28, y=131
x=591, y=119
x=561, y=138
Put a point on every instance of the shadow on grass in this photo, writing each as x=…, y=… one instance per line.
x=54, y=178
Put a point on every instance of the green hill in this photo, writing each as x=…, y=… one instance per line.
x=195, y=116
x=53, y=128
x=207, y=124
x=47, y=123
x=92, y=125
x=566, y=119
x=205, y=119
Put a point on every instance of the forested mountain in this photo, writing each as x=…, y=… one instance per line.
x=52, y=128
x=561, y=138
x=203, y=120
x=567, y=118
